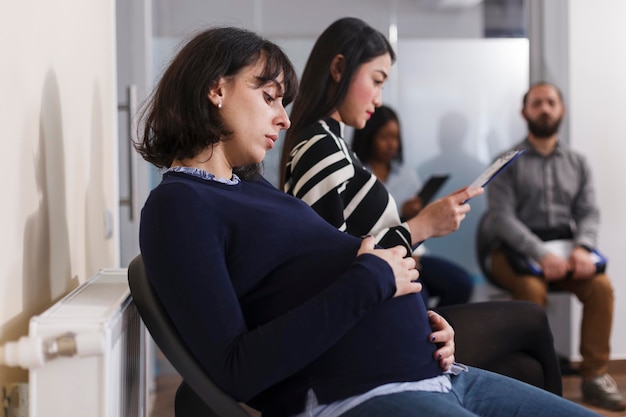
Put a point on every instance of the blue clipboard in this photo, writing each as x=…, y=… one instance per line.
x=496, y=167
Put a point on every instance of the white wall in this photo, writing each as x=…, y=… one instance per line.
x=59, y=127
x=597, y=123
x=576, y=45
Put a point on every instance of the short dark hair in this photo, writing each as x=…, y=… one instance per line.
x=319, y=95
x=178, y=120
x=539, y=84
x=363, y=139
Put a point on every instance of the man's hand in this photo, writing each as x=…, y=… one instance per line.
x=554, y=267
x=443, y=336
x=581, y=264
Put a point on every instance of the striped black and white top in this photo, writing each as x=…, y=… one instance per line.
x=323, y=172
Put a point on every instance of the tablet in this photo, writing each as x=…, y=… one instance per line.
x=431, y=187
x=497, y=167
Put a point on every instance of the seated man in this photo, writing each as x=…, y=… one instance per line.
x=548, y=195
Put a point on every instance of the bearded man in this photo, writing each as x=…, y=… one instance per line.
x=547, y=196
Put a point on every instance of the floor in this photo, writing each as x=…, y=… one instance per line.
x=168, y=381
x=571, y=387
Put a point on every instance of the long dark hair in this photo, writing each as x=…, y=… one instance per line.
x=319, y=95
x=178, y=120
x=363, y=139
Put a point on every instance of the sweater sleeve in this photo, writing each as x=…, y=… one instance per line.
x=323, y=174
x=184, y=252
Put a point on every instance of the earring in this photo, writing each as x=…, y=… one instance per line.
x=219, y=104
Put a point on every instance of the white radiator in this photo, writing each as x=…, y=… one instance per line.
x=109, y=384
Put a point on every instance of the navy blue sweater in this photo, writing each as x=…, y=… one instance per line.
x=272, y=299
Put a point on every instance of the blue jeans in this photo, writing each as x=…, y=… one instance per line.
x=474, y=393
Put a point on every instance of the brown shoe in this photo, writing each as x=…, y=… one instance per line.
x=602, y=392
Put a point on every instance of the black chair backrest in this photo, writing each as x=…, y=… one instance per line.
x=480, y=247
x=173, y=347
x=483, y=250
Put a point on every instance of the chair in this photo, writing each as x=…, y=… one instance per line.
x=482, y=249
x=197, y=395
